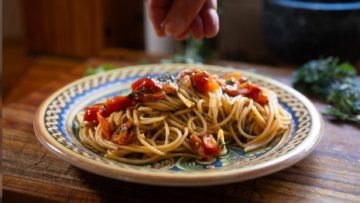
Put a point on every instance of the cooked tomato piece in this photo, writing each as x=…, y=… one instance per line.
x=257, y=95
x=232, y=75
x=262, y=99
x=235, y=84
x=125, y=134
x=235, y=88
x=147, y=97
x=210, y=144
x=197, y=146
x=118, y=103
x=146, y=85
x=204, y=82
x=254, y=92
x=105, y=127
x=169, y=87
x=110, y=106
x=91, y=113
x=231, y=91
x=235, y=76
x=247, y=89
x=189, y=71
x=145, y=89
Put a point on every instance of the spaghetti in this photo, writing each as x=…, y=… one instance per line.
x=195, y=114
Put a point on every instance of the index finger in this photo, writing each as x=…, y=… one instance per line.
x=180, y=16
x=157, y=11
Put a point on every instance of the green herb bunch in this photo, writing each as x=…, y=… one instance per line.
x=333, y=82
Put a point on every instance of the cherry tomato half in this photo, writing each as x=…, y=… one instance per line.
x=91, y=113
x=145, y=85
x=210, y=144
x=118, y=103
x=105, y=127
x=125, y=134
x=203, y=82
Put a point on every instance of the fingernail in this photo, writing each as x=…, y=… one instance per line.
x=167, y=31
x=160, y=33
x=162, y=25
x=182, y=36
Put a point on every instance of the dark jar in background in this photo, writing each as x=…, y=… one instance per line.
x=297, y=31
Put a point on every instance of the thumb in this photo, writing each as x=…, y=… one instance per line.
x=181, y=15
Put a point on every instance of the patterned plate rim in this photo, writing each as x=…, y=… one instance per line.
x=198, y=178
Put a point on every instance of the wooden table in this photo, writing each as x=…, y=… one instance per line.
x=331, y=173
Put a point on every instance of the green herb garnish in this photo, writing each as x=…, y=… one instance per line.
x=166, y=77
x=230, y=81
x=190, y=54
x=193, y=52
x=221, y=143
x=100, y=69
x=334, y=82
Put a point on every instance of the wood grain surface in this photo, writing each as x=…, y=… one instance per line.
x=331, y=173
x=67, y=27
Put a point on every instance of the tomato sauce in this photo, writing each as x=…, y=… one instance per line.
x=145, y=85
x=203, y=82
x=111, y=105
x=91, y=113
x=238, y=85
x=125, y=134
x=206, y=147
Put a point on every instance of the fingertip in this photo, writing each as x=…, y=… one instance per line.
x=157, y=12
x=197, y=37
x=197, y=28
x=181, y=15
x=169, y=29
x=211, y=22
x=160, y=33
x=182, y=36
x=158, y=30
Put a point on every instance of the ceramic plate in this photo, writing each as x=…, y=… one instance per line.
x=56, y=129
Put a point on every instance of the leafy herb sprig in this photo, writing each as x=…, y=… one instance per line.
x=193, y=52
x=333, y=82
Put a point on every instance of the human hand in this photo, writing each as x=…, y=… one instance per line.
x=181, y=17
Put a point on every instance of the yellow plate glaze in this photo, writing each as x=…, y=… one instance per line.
x=55, y=127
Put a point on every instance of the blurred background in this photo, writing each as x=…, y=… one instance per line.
x=65, y=33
